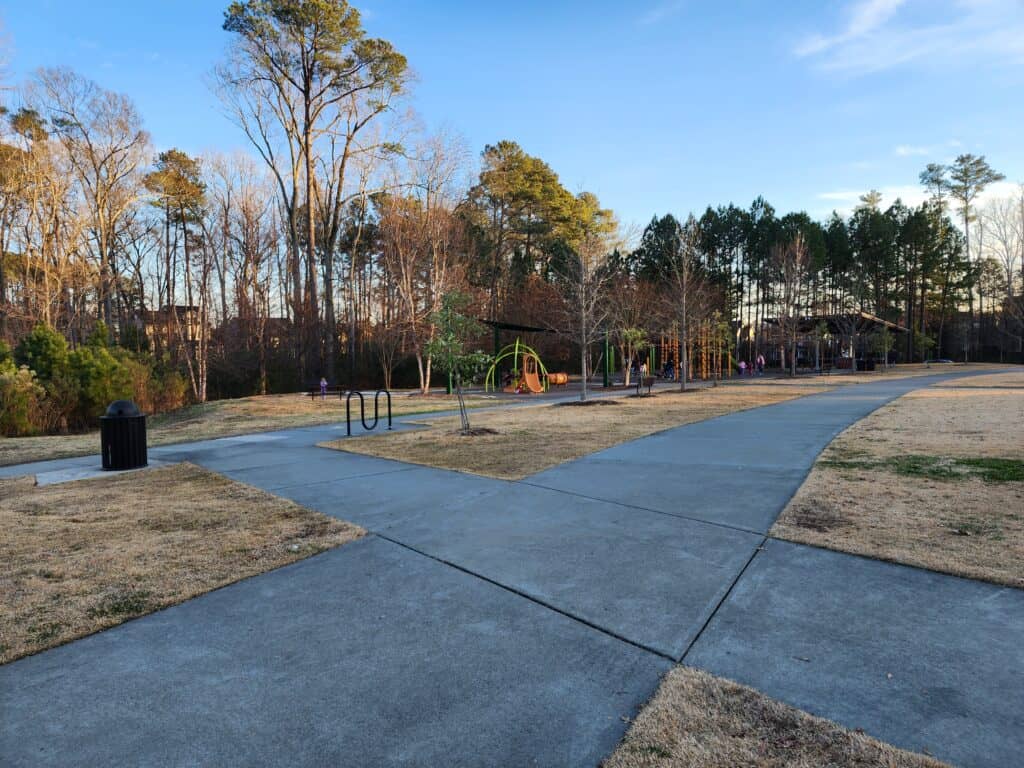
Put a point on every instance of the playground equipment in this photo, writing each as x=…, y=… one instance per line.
x=528, y=372
x=708, y=351
x=531, y=381
x=558, y=379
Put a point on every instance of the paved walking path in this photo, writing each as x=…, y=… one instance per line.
x=518, y=623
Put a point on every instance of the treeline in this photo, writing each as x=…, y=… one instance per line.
x=908, y=265
x=329, y=248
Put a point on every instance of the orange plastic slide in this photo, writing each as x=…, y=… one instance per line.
x=532, y=382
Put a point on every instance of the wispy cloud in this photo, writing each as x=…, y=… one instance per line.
x=841, y=196
x=863, y=18
x=909, y=150
x=882, y=34
x=660, y=12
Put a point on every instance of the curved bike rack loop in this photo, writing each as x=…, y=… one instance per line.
x=362, y=410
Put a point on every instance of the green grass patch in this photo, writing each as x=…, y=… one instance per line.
x=44, y=632
x=996, y=470
x=938, y=467
x=128, y=602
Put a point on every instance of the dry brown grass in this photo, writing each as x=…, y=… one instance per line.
x=893, y=486
x=225, y=418
x=79, y=557
x=532, y=439
x=696, y=720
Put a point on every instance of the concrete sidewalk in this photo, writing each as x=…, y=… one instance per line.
x=498, y=623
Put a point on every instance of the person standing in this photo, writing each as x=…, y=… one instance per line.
x=323, y=388
x=742, y=367
x=760, y=365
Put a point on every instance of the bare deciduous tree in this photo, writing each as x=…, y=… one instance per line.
x=687, y=290
x=422, y=239
x=792, y=264
x=102, y=135
x=583, y=275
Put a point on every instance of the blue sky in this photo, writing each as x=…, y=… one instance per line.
x=656, y=106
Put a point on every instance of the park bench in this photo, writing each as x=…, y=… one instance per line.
x=644, y=381
x=314, y=393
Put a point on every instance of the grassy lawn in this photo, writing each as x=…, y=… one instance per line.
x=79, y=557
x=224, y=418
x=530, y=439
x=934, y=479
x=696, y=719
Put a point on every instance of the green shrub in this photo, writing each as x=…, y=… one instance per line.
x=44, y=351
x=72, y=389
x=155, y=386
x=102, y=378
x=21, y=398
x=62, y=397
x=169, y=392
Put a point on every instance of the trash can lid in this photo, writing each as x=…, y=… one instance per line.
x=122, y=409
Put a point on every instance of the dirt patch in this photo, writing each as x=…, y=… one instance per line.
x=79, y=557
x=696, y=719
x=527, y=440
x=934, y=479
x=226, y=418
x=815, y=518
x=585, y=403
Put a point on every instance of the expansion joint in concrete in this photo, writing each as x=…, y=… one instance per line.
x=617, y=503
x=527, y=596
x=721, y=602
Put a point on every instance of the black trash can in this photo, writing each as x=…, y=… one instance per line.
x=123, y=436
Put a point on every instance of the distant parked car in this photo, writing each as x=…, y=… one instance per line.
x=940, y=360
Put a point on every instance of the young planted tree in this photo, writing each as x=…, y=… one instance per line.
x=449, y=348
x=632, y=312
x=582, y=274
x=630, y=341
x=882, y=342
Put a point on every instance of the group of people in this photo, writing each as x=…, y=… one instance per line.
x=668, y=369
x=749, y=368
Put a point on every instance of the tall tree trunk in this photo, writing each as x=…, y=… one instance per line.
x=3, y=288
x=330, y=321
x=684, y=351
x=583, y=338
x=169, y=276
x=105, y=283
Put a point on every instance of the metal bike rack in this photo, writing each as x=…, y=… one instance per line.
x=362, y=410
